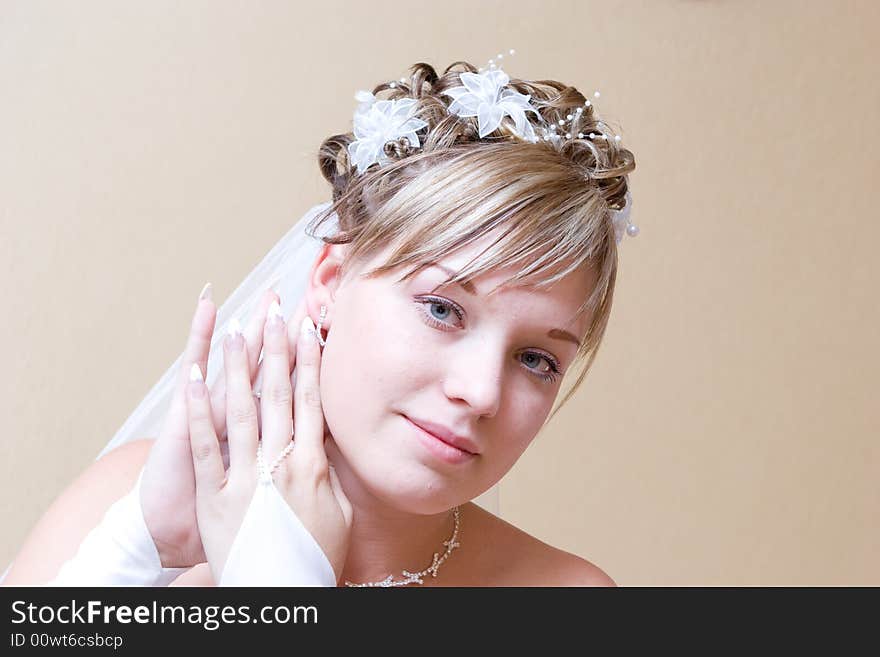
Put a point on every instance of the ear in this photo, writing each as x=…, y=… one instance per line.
x=324, y=280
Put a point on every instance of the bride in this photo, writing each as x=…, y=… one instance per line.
x=465, y=266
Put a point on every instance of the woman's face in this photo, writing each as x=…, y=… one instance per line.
x=480, y=366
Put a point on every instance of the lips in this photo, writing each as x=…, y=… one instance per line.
x=446, y=435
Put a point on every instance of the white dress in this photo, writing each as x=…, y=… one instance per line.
x=272, y=548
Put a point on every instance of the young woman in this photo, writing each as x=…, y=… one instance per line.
x=469, y=266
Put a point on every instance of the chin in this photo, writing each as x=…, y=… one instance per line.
x=402, y=472
x=413, y=488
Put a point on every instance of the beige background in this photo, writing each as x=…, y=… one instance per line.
x=727, y=434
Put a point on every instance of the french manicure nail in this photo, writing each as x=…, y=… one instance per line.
x=275, y=319
x=206, y=291
x=195, y=373
x=307, y=328
x=234, y=336
x=196, y=382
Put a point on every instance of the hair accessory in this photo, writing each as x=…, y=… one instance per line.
x=484, y=96
x=376, y=122
x=620, y=219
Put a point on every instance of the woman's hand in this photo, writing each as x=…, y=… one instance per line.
x=168, y=484
x=303, y=475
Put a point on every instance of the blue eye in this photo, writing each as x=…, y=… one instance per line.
x=549, y=375
x=428, y=305
x=446, y=310
x=431, y=307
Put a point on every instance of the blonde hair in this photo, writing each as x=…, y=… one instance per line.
x=550, y=200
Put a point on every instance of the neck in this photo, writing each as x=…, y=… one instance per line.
x=385, y=540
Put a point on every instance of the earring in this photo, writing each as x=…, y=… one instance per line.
x=318, y=327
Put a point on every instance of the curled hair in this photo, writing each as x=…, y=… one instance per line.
x=551, y=200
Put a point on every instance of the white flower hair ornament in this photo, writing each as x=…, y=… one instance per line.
x=376, y=122
x=485, y=96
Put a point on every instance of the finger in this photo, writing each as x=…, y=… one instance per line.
x=292, y=332
x=253, y=334
x=207, y=460
x=276, y=402
x=196, y=351
x=293, y=326
x=241, y=421
x=308, y=415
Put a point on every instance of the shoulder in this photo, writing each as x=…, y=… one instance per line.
x=80, y=507
x=527, y=560
x=110, y=476
x=572, y=570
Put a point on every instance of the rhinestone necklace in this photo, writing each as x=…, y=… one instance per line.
x=416, y=578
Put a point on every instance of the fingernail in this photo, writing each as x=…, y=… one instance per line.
x=234, y=338
x=197, y=381
x=275, y=320
x=307, y=328
x=206, y=291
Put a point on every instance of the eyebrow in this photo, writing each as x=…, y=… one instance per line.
x=468, y=287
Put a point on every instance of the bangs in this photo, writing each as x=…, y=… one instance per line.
x=548, y=222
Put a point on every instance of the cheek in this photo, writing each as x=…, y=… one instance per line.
x=516, y=425
x=367, y=366
x=521, y=428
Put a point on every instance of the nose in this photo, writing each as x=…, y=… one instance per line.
x=474, y=374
